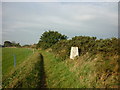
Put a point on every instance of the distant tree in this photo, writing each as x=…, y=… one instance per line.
x=50, y=38
x=7, y=44
x=11, y=44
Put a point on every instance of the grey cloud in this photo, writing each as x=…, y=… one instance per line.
x=32, y=19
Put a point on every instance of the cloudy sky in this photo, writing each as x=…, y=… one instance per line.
x=24, y=22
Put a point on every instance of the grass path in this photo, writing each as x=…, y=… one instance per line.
x=42, y=75
x=57, y=74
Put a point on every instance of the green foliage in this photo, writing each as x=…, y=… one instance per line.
x=86, y=44
x=62, y=49
x=50, y=38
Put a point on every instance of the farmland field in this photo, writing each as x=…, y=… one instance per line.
x=8, y=58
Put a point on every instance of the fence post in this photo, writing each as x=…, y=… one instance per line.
x=14, y=60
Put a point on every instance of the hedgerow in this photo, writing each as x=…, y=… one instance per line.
x=86, y=44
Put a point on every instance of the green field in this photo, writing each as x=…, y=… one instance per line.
x=8, y=58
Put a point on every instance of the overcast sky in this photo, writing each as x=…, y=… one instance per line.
x=24, y=22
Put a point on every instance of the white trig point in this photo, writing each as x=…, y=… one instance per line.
x=33, y=50
x=74, y=52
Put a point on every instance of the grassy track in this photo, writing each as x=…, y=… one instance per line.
x=8, y=59
x=57, y=74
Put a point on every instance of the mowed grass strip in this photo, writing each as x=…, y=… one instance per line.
x=57, y=74
x=26, y=75
x=8, y=57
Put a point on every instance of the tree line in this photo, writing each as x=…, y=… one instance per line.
x=11, y=44
x=14, y=44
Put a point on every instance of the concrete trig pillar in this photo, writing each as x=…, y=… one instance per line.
x=74, y=52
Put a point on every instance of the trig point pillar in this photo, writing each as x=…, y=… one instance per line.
x=74, y=52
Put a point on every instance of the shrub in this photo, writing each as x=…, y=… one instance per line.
x=86, y=44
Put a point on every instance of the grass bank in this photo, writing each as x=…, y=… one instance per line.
x=96, y=71
x=26, y=75
x=87, y=71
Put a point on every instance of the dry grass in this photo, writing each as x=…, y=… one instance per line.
x=95, y=71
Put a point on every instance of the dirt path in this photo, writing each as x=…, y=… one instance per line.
x=43, y=76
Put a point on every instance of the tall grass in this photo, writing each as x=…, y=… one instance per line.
x=57, y=74
x=95, y=71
